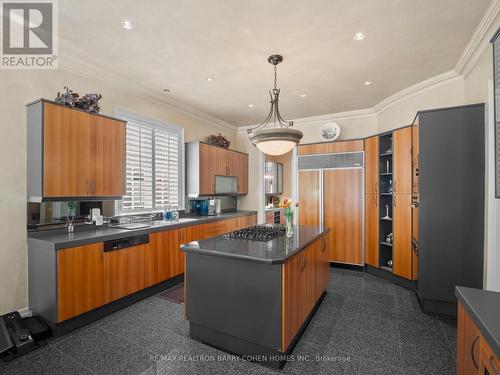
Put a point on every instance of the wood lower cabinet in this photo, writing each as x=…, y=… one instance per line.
x=80, y=280
x=489, y=363
x=304, y=279
x=402, y=249
x=343, y=213
x=72, y=153
x=372, y=229
x=467, y=344
x=371, y=165
x=402, y=160
x=125, y=271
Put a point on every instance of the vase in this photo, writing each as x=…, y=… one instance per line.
x=289, y=221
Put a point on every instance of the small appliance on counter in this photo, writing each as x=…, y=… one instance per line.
x=95, y=217
x=206, y=207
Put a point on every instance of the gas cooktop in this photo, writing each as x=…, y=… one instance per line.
x=258, y=233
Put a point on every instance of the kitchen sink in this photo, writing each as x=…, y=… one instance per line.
x=158, y=223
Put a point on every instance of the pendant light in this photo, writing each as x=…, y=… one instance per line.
x=275, y=136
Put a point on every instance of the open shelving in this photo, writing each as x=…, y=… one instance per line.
x=385, y=201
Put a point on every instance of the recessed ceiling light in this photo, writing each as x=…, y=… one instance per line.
x=127, y=25
x=359, y=36
x=250, y=105
x=210, y=79
x=303, y=95
x=166, y=91
x=367, y=83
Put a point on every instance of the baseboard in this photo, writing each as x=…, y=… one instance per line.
x=389, y=276
x=349, y=266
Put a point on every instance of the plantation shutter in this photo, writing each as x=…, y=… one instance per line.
x=153, y=168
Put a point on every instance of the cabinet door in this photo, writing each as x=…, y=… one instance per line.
x=67, y=147
x=343, y=213
x=80, y=280
x=468, y=342
x=371, y=165
x=402, y=160
x=402, y=251
x=209, y=168
x=108, y=162
x=315, y=148
x=309, y=198
x=238, y=167
x=371, y=229
x=124, y=271
x=293, y=300
x=489, y=363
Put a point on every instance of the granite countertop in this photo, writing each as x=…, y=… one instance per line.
x=275, y=251
x=483, y=307
x=83, y=235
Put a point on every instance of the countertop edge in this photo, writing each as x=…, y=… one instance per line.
x=192, y=250
x=59, y=245
x=493, y=341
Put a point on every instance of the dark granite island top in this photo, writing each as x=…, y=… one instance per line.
x=276, y=251
x=483, y=307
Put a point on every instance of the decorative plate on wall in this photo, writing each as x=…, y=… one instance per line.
x=330, y=131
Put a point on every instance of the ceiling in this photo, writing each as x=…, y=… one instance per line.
x=179, y=44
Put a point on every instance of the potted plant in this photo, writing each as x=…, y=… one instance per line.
x=288, y=206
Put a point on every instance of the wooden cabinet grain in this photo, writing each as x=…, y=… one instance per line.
x=80, y=280
x=309, y=198
x=124, y=271
x=489, y=363
x=402, y=250
x=371, y=165
x=468, y=338
x=330, y=147
x=343, y=212
x=402, y=159
x=73, y=153
x=371, y=229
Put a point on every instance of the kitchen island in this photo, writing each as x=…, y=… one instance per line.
x=255, y=298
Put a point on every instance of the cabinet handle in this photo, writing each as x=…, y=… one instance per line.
x=324, y=245
x=214, y=188
x=493, y=365
x=376, y=201
x=395, y=185
x=395, y=200
x=376, y=187
x=472, y=351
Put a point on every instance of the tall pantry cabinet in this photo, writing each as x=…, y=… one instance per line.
x=388, y=203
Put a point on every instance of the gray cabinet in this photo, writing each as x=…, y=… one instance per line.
x=273, y=177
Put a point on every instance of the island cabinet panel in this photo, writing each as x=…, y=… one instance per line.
x=489, y=363
x=468, y=344
x=371, y=165
x=343, y=212
x=67, y=152
x=125, y=271
x=402, y=159
x=80, y=280
x=304, y=279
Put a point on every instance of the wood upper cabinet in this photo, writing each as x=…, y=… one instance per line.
x=468, y=343
x=205, y=161
x=371, y=165
x=343, y=213
x=125, y=271
x=80, y=280
x=67, y=152
x=402, y=250
x=402, y=160
x=72, y=153
x=371, y=229
x=330, y=147
x=108, y=161
x=238, y=167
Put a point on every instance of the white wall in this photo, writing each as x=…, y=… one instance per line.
x=20, y=87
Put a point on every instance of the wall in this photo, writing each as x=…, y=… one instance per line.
x=21, y=87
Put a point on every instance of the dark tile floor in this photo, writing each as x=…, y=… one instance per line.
x=364, y=326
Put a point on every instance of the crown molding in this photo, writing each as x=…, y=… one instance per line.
x=480, y=39
x=77, y=66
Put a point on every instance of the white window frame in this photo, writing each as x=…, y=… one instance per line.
x=139, y=119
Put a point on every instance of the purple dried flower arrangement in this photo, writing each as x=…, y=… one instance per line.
x=218, y=140
x=87, y=102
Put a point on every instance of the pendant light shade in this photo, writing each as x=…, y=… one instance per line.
x=275, y=135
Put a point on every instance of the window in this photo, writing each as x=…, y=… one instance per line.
x=154, y=165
